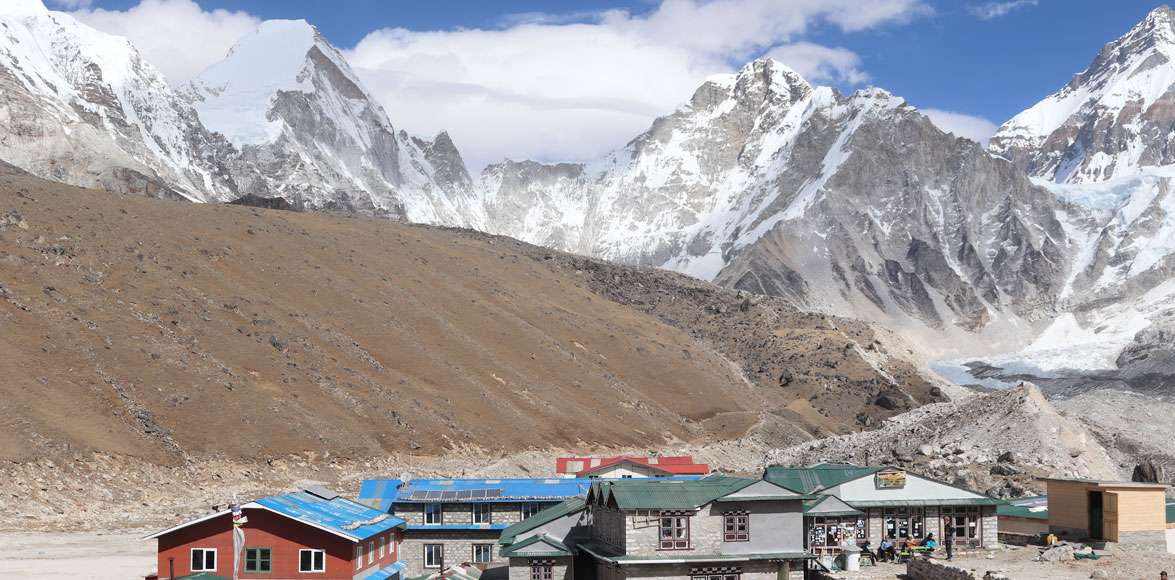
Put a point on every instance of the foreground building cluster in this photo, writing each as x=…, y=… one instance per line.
x=607, y=518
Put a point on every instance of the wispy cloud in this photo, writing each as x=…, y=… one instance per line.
x=997, y=9
x=971, y=127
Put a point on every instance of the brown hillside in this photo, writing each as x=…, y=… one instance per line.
x=164, y=330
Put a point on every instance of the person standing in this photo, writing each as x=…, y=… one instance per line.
x=948, y=537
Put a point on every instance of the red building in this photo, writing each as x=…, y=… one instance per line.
x=309, y=534
x=629, y=466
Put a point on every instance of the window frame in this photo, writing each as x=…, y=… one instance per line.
x=530, y=505
x=542, y=570
x=439, y=513
x=476, y=509
x=736, y=576
x=383, y=542
x=730, y=531
x=440, y=555
x=370, y=552
x=359, y=556
x=312, y=551
x=673, y=542
x=489, y=552
x=204, y=559
x=268, y=559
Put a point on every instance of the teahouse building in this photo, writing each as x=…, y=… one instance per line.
x=714, y=528
x=458, y=521
x=630, y=466
x=876, y=502
x=313, y=533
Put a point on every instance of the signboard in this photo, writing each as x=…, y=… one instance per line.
x=891, y=479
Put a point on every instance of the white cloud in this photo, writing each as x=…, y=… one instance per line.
x=551, y=87
x=819, y=64
x=177, y=36
x=962, y=125
x=996, y=9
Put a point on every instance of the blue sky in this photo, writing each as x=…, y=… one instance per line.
x=983, y=59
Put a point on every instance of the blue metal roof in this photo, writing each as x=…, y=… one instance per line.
x=339, y=515
x=461, y=527
x=385, y=573
x=381, y=493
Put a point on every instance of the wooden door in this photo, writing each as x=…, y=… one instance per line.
x=1110, y=516
x=1096, y=519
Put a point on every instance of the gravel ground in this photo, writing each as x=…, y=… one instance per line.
x=121, y=555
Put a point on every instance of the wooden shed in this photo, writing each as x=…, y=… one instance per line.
x=1111, y=511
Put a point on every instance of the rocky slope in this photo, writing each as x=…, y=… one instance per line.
x=855, y=204
x=999, y=442
x=352, y=337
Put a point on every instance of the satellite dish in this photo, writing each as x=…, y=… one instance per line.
x=406, y=478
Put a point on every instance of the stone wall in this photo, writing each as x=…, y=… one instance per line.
x=927, y=569
x=562, y=569
x=1144, y=540
x=753, y=570
x=458, y=548
x=461, y=513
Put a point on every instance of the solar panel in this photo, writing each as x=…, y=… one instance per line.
x=434, y=494
x=422, y=494
x=493, y=493
x=449, y=495
x=465, y=494
x=478, y=493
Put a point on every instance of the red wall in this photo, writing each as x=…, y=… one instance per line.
x=284, y=536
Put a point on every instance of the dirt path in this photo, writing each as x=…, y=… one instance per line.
x=120, y=555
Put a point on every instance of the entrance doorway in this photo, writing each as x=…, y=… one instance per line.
x=1096, y=505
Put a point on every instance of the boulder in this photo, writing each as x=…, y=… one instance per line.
x=1007, y=457
x=1004, y=469
x=1148, y=472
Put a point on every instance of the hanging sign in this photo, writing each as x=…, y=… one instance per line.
x=891, y=479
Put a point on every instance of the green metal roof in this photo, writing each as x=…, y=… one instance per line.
x=555, y=547
x=544, y=517
x=1018, y=511
x=817, y=477
x=668, y=494
x=1171, y=512
x=930, y=502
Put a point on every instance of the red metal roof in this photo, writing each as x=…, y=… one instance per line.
x=673, y=464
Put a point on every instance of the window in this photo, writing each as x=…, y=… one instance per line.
x=962, y=522
x=258, y=560
x=541, y=570
x=434, y=555
x=311, y=561
x=903, y=523
x=483, y=553
x=358, y=556
x=382, y=546
x=481, y=513
x=674, y=531
x=716, y=577
x=832, y=531
x=371, y=552
x=736, y=527
x=203, y=559
x=530, y=509
x=432, y=513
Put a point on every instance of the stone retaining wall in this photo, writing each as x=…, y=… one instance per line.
x=927, y=569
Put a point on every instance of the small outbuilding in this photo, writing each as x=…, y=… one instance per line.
x=1112, y=511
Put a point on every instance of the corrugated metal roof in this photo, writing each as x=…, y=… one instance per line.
x=382, y=493
x=554, y=547
x=817, y=477
x=544, y=517
x=340, y=515
x=830, y=506
x=457, y=527
x=388, y=572
x=1019, y=511
x=669, y=494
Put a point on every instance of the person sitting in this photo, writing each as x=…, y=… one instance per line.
x=930, y=543
x=867, y=553
x=911, y=543
x=886, y=550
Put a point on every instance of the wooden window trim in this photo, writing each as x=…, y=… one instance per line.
x=473, y=552
x=258, y=559
x=541, y=571
x=661, y=541
x=736, y=536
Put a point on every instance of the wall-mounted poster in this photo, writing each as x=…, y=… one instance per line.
x=891, y=479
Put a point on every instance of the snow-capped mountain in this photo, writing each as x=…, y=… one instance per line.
x=307, y=131
x=1103, y=145
x=81, y=106
x=855, y=204
x=282, y=116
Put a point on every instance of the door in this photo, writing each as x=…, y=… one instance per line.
x=1110, y=516
x=1095, y=515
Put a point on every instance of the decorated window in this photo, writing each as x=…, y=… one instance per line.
x=541, y=570
x=736, y=527
x=674, y=531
